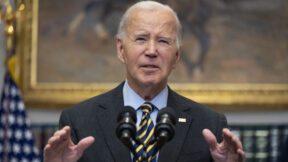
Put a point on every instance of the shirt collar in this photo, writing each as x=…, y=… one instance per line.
x=131, y=98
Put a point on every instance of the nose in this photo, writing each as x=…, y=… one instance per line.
x=151, y=49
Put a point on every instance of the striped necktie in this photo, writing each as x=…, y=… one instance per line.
x=145, y=133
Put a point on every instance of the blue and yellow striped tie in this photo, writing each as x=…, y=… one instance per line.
x=145, y=132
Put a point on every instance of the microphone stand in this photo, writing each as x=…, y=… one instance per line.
x=128, y=141
x=126, y=132
x=160, y=141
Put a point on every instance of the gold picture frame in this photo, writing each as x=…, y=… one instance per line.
x=234, y=96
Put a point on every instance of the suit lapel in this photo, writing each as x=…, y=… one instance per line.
x=107, y=115
x=171, y=151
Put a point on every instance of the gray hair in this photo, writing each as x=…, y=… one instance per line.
x=148, y=5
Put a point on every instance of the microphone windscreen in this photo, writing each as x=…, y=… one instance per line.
x=169, y=111
x=127, y=110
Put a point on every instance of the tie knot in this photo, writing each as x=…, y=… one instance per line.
x=147, y=107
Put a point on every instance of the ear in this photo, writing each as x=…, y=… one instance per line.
x=120, y=50
x=178, y=53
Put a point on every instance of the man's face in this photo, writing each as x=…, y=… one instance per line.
x=149, y=49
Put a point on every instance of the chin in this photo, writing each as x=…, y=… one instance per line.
x=147, y=82
x=151, y=82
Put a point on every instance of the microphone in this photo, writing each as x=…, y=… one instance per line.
x=165, y=128
x=126, y=127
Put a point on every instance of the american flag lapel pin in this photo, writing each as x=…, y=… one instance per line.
x=182, y=120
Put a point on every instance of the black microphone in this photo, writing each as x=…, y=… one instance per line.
x=126, y=127
x=165, y=127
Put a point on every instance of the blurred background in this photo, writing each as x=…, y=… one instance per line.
x=227, y=41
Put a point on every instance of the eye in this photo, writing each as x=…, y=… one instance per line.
x=140, y=39
x=164, y=41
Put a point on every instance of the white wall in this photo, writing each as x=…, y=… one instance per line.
x=257, y=117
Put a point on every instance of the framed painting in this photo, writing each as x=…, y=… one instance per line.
x=234, y=53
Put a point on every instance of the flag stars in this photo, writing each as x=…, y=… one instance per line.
x=20, y=120
x=28, y=135
x=13, y=160
x=14, y=129
x=24, y=160
x=21, y=106
x=13, y=91
x=11, y=119
x=36, y=160
x=18, y=134
x=12, y=106
x=16, y=148
x=27, y=149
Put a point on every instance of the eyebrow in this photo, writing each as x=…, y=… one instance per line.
x=140, y=34
x=145, y=34
x=164, y=37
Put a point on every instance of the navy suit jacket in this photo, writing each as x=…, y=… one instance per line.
x=97, y=117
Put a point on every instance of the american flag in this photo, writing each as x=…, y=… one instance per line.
x=16, y=141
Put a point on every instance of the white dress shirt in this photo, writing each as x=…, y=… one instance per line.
x=131, y=98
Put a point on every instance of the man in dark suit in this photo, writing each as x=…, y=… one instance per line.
x=148, y=43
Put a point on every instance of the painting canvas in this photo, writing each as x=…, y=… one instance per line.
x=224, y=41
x=234, y=52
